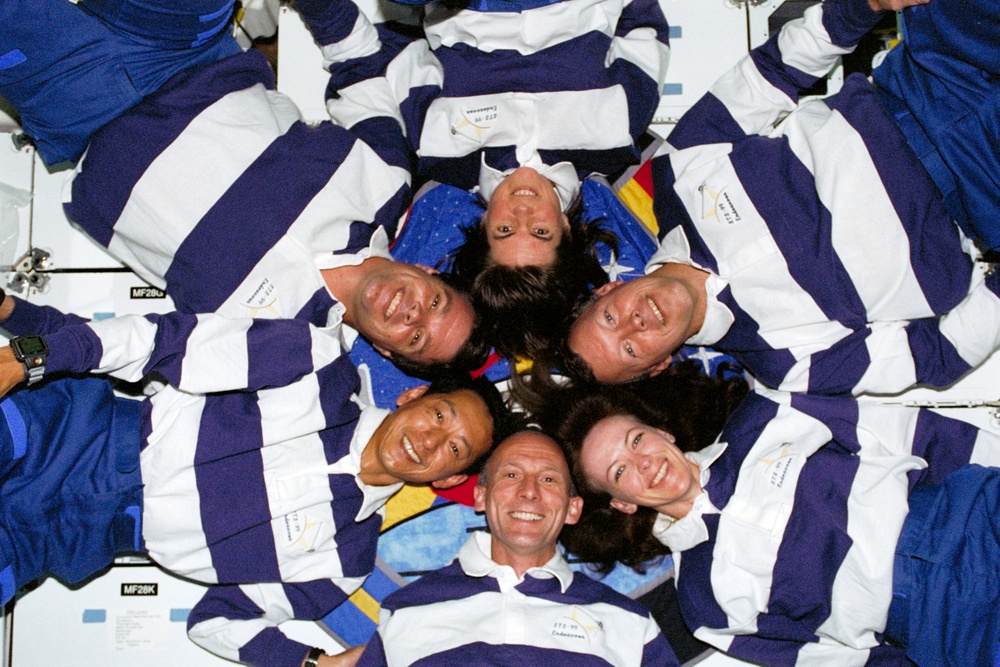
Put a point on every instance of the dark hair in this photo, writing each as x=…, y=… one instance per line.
x=471, y=356
x=682, y=401
x=524, y=309
x=504, y=423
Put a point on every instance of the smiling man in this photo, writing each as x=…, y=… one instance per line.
x=206, y=182
x=261, y=468
x=804, y=238
x=510, y=597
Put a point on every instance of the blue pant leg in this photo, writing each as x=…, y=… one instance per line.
x=68, y=72
x=947, y=75
x=166, y=23
x=74, y=500
x=947, y=574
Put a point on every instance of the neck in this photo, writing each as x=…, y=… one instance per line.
x=372, y=472
x=345, y=281
x=694, y=280
x=680, y=508
x=521, y=562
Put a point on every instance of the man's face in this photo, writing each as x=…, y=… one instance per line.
x=524, y=220
x=406, y=310
x=431, y=437
x=633, y=328
x=524, y=492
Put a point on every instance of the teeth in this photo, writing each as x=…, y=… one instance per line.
x=526, y=516
x=394, y=304
x=523, y=192
x=656, y=311
x=660, y=475
x=408, y=446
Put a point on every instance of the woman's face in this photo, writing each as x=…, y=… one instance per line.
x=639, y=466
x=524, y=220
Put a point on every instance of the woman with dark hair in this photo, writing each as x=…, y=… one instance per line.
x=520, y=101
x=813, y=529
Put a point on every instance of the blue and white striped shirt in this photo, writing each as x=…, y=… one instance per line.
x=250, y=464
x=214, y=189
x=514, y=83
x=787, y=556
x=831, y=257
x=475, y=611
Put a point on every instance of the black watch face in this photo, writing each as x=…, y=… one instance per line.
x=30, y=345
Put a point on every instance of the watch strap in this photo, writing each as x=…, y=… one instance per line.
x=312, y=658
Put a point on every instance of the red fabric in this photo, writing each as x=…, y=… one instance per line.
x=461, y=494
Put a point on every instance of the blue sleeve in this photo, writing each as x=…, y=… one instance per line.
x=639, y=53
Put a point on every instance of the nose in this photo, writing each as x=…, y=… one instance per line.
x=413, y=313
x=638, y=320
x=529, y=487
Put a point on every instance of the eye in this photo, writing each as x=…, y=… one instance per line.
x=435, y=302
x=440, y=417
x=454, y=447
x=504, y=229
x=541, y=233
x=629, y=351
x=416, y=338
x=635, y=441
x=549, y=479
x=619, y=472
x=608, y=318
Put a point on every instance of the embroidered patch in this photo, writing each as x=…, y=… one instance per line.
x=263, y=301
x=578, y=625
x=301, y=531
x=476, y=121
x=716, y=203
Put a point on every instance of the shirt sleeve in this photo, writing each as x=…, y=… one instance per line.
x=241, y=623
x=196, y=353
x=889, y=357
x=765, y=85
x=382, y=78
x=638, y=57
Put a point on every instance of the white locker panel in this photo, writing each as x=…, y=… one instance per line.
x=707, y=37
x=132, y=615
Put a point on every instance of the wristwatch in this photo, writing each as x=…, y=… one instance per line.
x=312, y=658
x=32, y=352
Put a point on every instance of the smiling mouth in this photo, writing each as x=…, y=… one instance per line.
x=408, y=446
x=660, y=474
x=656, y=311
x=524, y=192
x=526, y=516
x=394, y=304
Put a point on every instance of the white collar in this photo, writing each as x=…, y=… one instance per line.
x=679, y=535
x=476, y=561
x=371, y=418
x=718, y=318
x=562, y=175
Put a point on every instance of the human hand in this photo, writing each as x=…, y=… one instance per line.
x=348, y=658
x=11, y=371
x=894, y=5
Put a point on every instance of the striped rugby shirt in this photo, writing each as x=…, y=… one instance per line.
x=833, y=265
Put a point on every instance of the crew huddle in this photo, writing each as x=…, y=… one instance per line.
x=833, y=247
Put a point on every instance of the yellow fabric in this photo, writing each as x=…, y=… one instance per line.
x=409, y=502
x=366, y=604
x=640, y=203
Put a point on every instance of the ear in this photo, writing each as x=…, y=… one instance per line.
x=624, y=507
x=660, y=367
x=448, y=482
x=565, y=222
x=607, y=287
x=575, y=508
x=411, y=393
x=479, y=498
x=426, y=269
